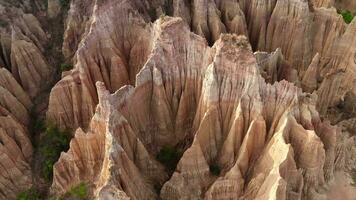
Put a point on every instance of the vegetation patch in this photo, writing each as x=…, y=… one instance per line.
x=30, y=194
x=214, y=169
x=347, y=15
x=66, y=67
x=169, y=157
x=353, y=176
x=52, y=143
x=65, y=3
x=3, y=23
x=78, y=192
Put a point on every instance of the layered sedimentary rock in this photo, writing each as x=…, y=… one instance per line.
x=23, y=44
x=23, y=71
x=338, y=70
x=273, y=67
x=16, y=147
x=298, y=28
x=109, y=54
x=268, y=140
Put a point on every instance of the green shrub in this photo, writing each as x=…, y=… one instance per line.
x=66, y=67
x=353, y=176
x=3, y=23
x=214, y=169
x=30, y=194
x=78, y=192
x=65, y=3
x=169, y=157
x=53, y=142
x=347, y=15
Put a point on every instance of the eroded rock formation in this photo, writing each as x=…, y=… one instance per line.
x=268, y=138
x=23, y=71
x=222, y=81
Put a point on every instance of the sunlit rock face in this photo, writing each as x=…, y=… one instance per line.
x=213, y=102
x=235, y=86
x=309, y=37
x=183, y=81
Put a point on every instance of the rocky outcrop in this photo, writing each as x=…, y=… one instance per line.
x=23, y=72
x=109, y=157
x=23, y=44
x=307, y=31
x=215, y=106
x=108, y=54
x=77, y=24
x=273, y=67
x=16, y=147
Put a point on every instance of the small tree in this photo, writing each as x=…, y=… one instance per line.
x=169, y=157
x=78, y=192
x=66, y=67
x=347, y=15
x=65, y=3
x=214, y=169
x=30, y=194
x=53, y=142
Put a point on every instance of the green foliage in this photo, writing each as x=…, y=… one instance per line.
x=3, y=23
x=78, y=192
x=347, y=15
x=66, y=67
x=30, y=194
x=214, y=169
x=54, y=141
x=65, y=3
x=169, y=157
x=353, y=176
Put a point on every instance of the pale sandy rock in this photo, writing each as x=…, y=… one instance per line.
x=8, y=82
x=53, y=8
x=109, y=157
x=338, y=70
x=211, y=103
x=216, y=105
x=311, y=76
x=294, y=26
x=23, y=42
x=16, y=154
x=101, y=58
x=28, y=66
x=76, y=25
x=291, y=18
x=257, y=15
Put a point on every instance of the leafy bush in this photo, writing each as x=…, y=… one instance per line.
x=353, y=176
x=30, y=194
x=66, y=67
x=3, y=23
x=214, y=169
x=169, y=157
x=78, y=192
x=65, y=3
x=347, y=15
x=54, y=141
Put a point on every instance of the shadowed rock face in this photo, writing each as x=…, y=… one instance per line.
x=23, y=70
